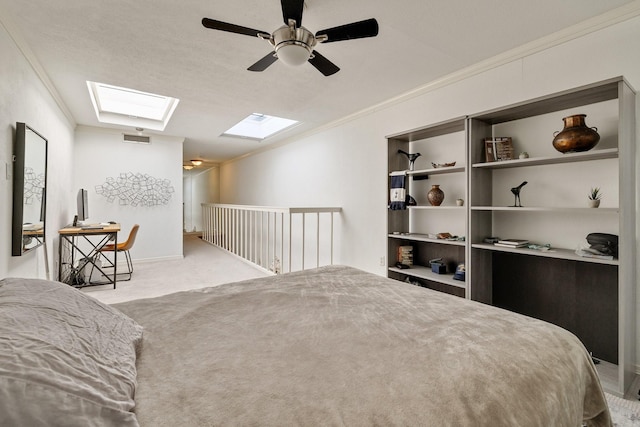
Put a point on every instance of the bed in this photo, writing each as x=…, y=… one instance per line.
x=329, y=346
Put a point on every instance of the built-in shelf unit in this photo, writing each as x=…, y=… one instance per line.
x=593, y=298
x=442, y=143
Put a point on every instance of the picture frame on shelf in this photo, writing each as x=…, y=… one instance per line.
x=498, y=148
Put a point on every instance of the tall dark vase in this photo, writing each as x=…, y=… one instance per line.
x=435, y=195
x=576, y=135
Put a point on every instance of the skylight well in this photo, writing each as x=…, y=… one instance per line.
x=130, y=107
x=259, y=126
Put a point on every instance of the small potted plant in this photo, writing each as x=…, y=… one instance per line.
x=594, y=197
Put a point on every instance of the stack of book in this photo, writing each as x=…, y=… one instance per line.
x=592, y=253
x=405, y=255
x=512, y=243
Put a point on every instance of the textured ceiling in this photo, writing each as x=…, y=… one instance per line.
x=160, y=46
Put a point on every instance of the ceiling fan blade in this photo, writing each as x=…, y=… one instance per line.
x=355, y=30
x=262, y=64
x=323, y=65
x=292, y=9
x=231, y=28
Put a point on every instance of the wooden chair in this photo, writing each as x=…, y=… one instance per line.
x=124, y=247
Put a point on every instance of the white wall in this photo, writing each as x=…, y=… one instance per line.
x=100, y=154
x=24, y=98
x=346, y=165
x=200, y=186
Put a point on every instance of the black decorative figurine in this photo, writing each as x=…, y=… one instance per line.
x=516, y=193
x=412, y=158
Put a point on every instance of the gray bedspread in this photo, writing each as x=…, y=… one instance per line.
x=338, y=346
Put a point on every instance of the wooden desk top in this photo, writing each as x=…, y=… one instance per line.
x=106, y=228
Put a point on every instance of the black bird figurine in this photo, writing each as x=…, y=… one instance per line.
x=516, y=193
x=412, y=158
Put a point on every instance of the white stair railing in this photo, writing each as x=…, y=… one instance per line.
x=275, y=239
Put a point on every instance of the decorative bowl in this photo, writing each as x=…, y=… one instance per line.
x=443, y=165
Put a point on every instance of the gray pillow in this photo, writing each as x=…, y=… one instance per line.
x=66, y=359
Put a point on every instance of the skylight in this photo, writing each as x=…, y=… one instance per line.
x=259, y=126
x=130, y=107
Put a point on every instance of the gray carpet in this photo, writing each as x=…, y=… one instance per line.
x=203, y=265
x=624, y=413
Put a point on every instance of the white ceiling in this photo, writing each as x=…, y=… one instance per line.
x=160, y=46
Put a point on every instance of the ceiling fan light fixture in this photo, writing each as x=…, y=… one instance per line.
x=196, y=162
x=188, y=167
x=293, y=53
x=293, y=46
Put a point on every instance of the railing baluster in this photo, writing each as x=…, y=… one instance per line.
x=290, y=233
x=331, y=234
x=235, y=231
x=217, y=227
x=252, y=237
x=225, y=231
x=275, y=238
x=317, y=239
x=304, y=215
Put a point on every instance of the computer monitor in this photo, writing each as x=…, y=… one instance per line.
x=83, y=205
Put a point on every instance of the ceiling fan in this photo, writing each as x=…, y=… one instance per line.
x=293, y=44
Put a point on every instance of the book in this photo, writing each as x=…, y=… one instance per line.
x=513, y=242
x=405, y=255
x=498, y=148
x=510, y=246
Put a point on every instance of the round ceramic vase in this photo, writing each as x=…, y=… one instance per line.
x=435, y=195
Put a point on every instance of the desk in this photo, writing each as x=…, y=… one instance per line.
x=79, y=254
x=32, y=237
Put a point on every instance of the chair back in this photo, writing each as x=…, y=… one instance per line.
x=131, y=239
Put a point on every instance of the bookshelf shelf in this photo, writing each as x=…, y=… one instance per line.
x=421, y=272
x=433, y=171
x=610, y=153
x=417, y=237
x=551, y=209
x=558, y=253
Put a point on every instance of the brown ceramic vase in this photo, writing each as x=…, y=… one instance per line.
x=576, y=135
x=435, y=195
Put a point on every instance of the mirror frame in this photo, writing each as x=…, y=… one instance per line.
x=19, y=163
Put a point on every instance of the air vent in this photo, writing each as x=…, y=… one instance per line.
x=136, y=139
